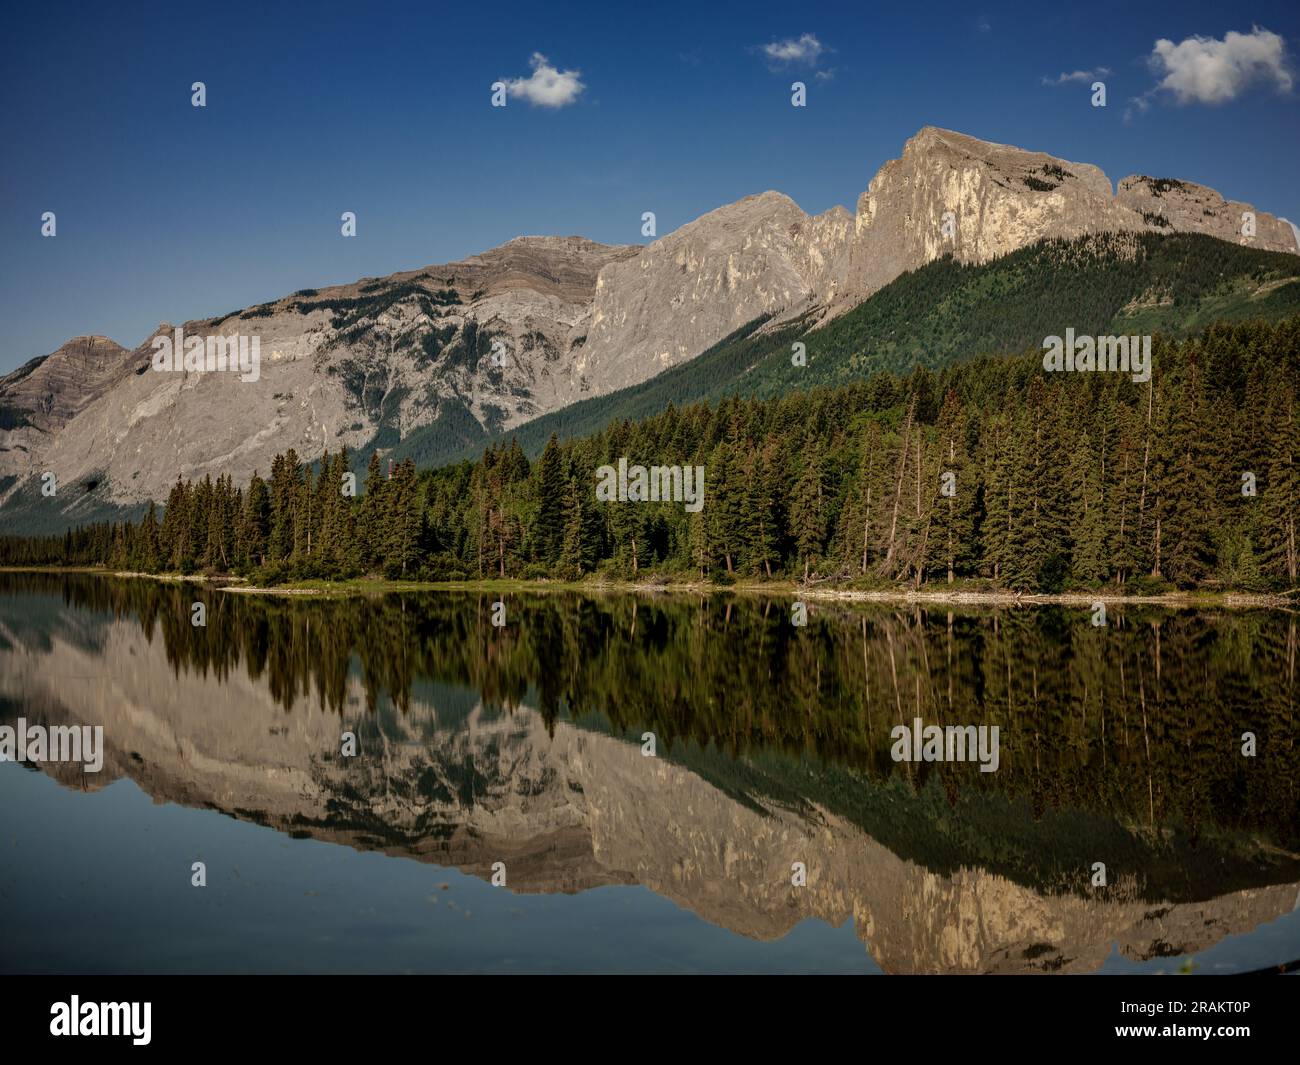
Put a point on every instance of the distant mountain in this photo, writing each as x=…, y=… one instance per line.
x=460, y=352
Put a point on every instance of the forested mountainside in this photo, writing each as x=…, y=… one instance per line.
x=449, y=357
x=989, y=470
x=945, y=311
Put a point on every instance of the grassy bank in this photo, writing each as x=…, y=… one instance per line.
x=963, y=595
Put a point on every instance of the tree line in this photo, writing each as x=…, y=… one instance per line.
x=990, y=472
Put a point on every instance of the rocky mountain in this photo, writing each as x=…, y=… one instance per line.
x=707, y=279
x=1003, y=198
x=341, y=366
x=498, y=339
x=38, y=399
x=943, y=313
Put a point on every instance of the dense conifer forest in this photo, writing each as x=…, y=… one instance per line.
x=989, y=471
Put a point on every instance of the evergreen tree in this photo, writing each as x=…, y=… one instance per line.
x=256, y=522
x=370, y=516
x=552, y=490
x=807, y=512
x=1088, y=517
x=725, y=504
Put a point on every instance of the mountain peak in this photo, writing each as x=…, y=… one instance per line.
x=382, y=357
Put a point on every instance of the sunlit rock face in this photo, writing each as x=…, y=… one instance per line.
x=996, y=199
x=337, y=366
x=690, y=289
x=39, y=398
x=1170, y=206
x=497, y=339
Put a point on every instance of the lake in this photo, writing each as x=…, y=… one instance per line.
x=677, y=783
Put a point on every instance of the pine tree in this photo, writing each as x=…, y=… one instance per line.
x=200, y=518
x=285, y=487
x=701, y=548
x=1280, y=509
x=807, y=512
x=953, y=527
x=1088, y=515
x=256, y=522
x=370, y=515
x=402, y=521
x=725, y=504
x=177, y=545
x=761, y=514
x=1182, y=547
x=997, y=532
x=148, y=560
x=552, y=491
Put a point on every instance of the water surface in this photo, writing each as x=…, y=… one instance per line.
x=523, y=745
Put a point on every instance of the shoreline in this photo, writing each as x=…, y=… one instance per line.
x=783, y=589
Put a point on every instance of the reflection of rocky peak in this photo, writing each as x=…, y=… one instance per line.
x=568, y=812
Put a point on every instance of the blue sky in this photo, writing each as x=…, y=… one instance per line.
x=167, y=211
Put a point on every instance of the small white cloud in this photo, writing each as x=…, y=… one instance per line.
x=1137, y=105
x=546, y=86
x=1079, y=75
x=983, y=25
x=1208, y=71
x=825, y=75
x=806, y=49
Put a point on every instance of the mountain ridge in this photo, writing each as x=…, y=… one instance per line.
x=519, y=331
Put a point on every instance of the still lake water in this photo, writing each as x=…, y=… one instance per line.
x=523, y=745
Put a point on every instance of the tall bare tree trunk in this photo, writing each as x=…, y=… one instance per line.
x=866, y=530
x=952, y=500
x=1146, y=450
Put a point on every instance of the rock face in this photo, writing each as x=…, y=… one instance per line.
x=337, y=367
x=566, y=811
x=541, y=322
x=707, y=279
x=996, y=199
x=39, y=399
x=1184, y=207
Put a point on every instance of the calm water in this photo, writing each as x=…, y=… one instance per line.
x=523, y=745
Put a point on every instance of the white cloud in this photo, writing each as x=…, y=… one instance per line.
x=1137, y=105
x=1208, y=71
x=1079, y=75
x=806, y=49
x=546, y=86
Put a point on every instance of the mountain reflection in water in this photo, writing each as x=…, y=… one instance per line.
x=523, y=745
